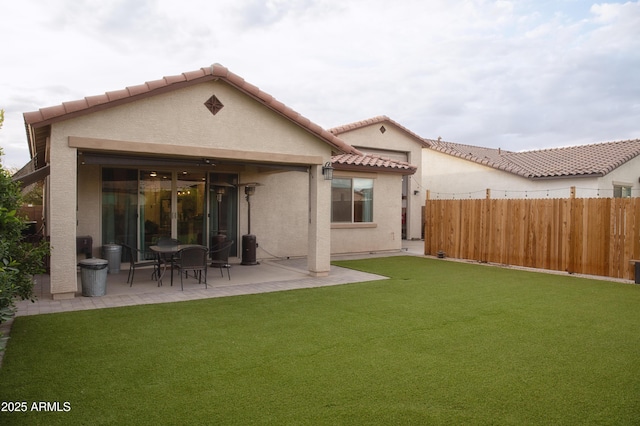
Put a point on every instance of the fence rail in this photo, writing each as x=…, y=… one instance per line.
x=595, y=236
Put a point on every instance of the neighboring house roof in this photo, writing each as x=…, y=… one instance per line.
x=379, y=120
x=594, y=160
x=38, y=122
x=369, y=162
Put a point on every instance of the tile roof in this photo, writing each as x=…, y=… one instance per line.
x=381, y=119
x=369, y=162
x=592, y=160
x=45, y=116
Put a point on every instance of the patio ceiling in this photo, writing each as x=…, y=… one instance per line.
x=109, y=159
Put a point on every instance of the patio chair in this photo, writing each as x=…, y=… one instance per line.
x=220, y=257
x=194, y=259
x=168, y=241
x=146, y=259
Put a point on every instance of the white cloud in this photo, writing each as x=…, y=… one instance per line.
x=525, y=74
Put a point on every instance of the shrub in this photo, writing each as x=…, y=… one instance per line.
x=19, y=260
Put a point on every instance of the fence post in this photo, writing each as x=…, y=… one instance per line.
x=572, y=231
x=485, y=226
x=428, y=230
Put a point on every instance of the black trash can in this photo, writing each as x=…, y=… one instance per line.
x=637, y=272
x=216, y=242
x=93, y=274
x=249, y=245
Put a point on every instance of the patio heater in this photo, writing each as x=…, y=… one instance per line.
x=220, y=189
x=249, y=243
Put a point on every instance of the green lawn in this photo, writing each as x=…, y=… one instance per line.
x=438, y=343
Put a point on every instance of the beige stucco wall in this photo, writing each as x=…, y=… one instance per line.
x=89, y=211
x=279, y=213
x=180, y=119
x=449, y=177
x=396, y=139
x=385, y=233
x=319, y=217
x=61, y=223
x=178, y=124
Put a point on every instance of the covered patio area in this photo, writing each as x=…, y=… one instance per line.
x=268, y=276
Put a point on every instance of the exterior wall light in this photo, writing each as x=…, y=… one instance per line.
x=327, y=171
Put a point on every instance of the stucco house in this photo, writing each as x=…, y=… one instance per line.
x=170, y=157
x=610, y=169
x=385, y=137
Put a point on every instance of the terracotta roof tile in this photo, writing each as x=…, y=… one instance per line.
x=117, y=95
x=137, y=90
x=75, y=105
x=95, y=100
x=49, y=115
x=155, y=84
x=369, y=162
x=193, y=75
x=595, y=159
x=574, y=161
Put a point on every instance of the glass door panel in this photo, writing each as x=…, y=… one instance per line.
x=119, y=206
x=156, y=206
x=224, y=214
x=190, y=207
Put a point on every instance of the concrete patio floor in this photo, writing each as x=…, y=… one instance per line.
x=268, y=276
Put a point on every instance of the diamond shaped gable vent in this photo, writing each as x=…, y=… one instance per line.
x=214, y=105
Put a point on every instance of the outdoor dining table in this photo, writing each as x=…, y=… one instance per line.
x=167, y=253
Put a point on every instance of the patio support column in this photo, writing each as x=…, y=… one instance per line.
x=62, y=221
x=319, y=252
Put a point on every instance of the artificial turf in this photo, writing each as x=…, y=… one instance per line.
x=437, y=343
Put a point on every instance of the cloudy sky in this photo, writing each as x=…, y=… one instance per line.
x=521, y=74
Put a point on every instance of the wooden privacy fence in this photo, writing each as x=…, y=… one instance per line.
x=595, y=236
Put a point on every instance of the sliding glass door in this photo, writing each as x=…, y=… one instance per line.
x=172, y=206
x=119, y=206
x=156, y=206
x=223, y=205
x=191, y=202
x=141, y=206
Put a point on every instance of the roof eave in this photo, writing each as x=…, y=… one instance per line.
x=35, y=119
x=88, y=105
x=372, y=169
x=574, y=176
